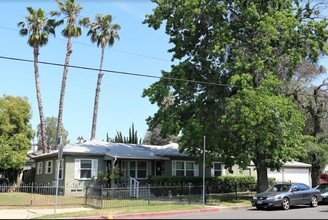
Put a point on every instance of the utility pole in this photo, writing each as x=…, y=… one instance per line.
x=60, y=155
x=204, y=188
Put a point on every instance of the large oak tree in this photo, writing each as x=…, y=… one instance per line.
x=214, y=41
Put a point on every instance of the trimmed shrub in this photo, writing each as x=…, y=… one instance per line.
x=223, y=184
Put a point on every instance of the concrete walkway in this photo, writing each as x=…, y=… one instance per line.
x=33, y=213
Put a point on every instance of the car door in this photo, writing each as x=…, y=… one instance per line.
x=296, y=196
x=305, y=192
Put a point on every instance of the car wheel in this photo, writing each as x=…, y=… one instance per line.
x=314, y=201
x=285, y=203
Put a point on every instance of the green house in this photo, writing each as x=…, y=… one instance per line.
x=82, y=162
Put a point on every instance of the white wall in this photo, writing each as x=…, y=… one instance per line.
x=290, y=174
x=296, y=173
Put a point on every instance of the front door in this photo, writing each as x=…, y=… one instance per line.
x=158, y=167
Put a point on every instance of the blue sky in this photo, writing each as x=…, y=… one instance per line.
x=140, y=50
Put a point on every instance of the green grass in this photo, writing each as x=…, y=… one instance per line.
x=27, y=199
x=118, y=206
x=222, y=201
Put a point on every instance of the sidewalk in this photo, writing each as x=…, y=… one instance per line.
x=152, y=214
x=33, y=213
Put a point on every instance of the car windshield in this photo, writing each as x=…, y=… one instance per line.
x=279, y=188
x=322, y=186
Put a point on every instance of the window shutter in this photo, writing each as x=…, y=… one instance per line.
x=196, y=170
x=94, y=168
x=174, y=172
x=40, y=169
x=56, y=166
x=77, y=169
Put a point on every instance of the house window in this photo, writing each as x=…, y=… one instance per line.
x=48, y=168
x=216, y=169
x=185, y=168
x=61, y=165
x=39, y=168
x=85, y=169
x=142, y=169
x=138, y=169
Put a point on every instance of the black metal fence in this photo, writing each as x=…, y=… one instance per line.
x=109, y=197
x=105, y=197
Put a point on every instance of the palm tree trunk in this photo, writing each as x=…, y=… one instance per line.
x=95, y=109
x=39, y=99
x=63, y=87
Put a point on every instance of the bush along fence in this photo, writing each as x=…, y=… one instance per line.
x=158, y=190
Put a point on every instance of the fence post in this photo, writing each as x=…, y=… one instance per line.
x=86, y=195
x=189, y=193
x=102, y=196
x=31, y=199
x=236, y=189
x=148, y=194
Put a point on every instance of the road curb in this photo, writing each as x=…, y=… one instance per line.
x=236, y=207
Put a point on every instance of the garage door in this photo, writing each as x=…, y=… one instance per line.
x=297, y=175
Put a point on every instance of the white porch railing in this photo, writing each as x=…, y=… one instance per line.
x=134, y=188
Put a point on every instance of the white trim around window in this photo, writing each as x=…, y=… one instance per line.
x=135, y=168
x=85, y=169
x=184, y=168
x=39, y=168
x=48, y=167
x=61, y=168
x=138, y=169
x=216, y=169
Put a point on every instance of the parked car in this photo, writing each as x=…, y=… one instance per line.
x=323, y=188
x=285, y=195
x=324, y=178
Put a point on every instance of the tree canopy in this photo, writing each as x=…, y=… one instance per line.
x=51, y=133
x=217, y=42
x=16, y=132
x=131, y=139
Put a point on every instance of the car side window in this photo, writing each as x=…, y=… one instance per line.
x=295, y=187
x=284, y=188
x=303, y=187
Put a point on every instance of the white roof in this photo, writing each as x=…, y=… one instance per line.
x=291, y=164
x=113, y=150
x=296, y=164
x=171, y=149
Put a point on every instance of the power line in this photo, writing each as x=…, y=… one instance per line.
x=117, y=72
x=143, y=75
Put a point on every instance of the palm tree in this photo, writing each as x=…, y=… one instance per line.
x=70, y=10
x=38, y=27
x=104, y=33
